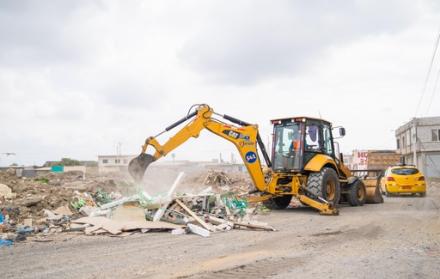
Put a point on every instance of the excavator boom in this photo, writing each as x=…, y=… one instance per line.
x=245, y=137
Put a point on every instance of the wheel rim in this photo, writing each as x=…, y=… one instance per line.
x=331, y=190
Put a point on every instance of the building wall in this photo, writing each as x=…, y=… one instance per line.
x=430, y=164
x=113, y=163
x=374, y=159
x=417, y=135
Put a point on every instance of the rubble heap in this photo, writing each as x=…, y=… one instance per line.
x=223, y=182
x=55, y=203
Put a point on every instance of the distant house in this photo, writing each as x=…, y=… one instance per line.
x=119, y=163
x=418, y=141
x=113, y=163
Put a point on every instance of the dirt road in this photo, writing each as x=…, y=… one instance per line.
x=397, y=239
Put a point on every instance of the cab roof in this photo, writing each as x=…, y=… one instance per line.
x=299, y=119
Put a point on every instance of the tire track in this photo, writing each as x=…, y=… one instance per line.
x=264, y=268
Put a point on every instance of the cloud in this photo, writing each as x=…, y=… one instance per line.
x=78, y=76
x=252, y=41
x=39, y=33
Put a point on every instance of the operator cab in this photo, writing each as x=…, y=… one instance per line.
x=296, y=140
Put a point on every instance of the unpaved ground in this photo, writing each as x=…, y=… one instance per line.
x=397, y=239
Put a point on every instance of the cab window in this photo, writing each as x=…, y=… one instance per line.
x=312, y=141
x=327, y=138
x=287, y=148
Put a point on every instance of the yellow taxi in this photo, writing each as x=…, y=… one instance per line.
x=403, y=179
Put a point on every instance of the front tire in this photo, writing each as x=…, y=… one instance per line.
x=357, y=194
x=325, y=184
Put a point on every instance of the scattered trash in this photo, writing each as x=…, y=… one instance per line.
x=63, y=210
x=38, y=207
x=178, y=231
x=101, y=197
x=198, y=230
x=5, y=242
x=237, y=205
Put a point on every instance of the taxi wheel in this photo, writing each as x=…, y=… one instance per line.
x=387, y=194
x=422, y=195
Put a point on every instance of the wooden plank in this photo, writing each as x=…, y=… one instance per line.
x=254, y=226
x=102, y=222
x=190, y=212
x=216, y=221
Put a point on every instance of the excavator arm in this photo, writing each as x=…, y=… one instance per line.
x=244, y=136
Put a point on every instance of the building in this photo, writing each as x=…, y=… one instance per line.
x=113, y=163
x=418, y=141
x=373, y=159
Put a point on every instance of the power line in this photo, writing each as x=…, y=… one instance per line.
x=428, y=74
x=431, y=99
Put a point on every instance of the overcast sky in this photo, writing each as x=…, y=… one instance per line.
x=77, y=77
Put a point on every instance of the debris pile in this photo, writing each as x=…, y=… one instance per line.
x=223, y=182
x=217, y=178
x=27, y=205
x=200, y=214
x=53, y=204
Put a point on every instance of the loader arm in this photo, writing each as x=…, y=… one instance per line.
x=245, y=137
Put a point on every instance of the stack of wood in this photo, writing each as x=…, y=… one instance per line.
x=380, y=160
x=217, y=178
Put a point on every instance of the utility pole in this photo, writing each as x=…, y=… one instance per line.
x=119, y=148
x=415, y=142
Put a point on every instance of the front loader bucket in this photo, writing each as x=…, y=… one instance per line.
x=138, y=166
x=373, y=191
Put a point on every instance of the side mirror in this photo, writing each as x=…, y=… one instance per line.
x=338, y=132
x=342, y=131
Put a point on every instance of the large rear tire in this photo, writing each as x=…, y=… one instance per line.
x=278, y=202
x=325, y=184
x=357, y=194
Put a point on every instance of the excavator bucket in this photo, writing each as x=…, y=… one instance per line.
x=138, y=166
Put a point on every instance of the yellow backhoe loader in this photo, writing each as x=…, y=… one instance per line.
x=303, y=164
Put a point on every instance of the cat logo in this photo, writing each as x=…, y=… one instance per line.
x=232, y=134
